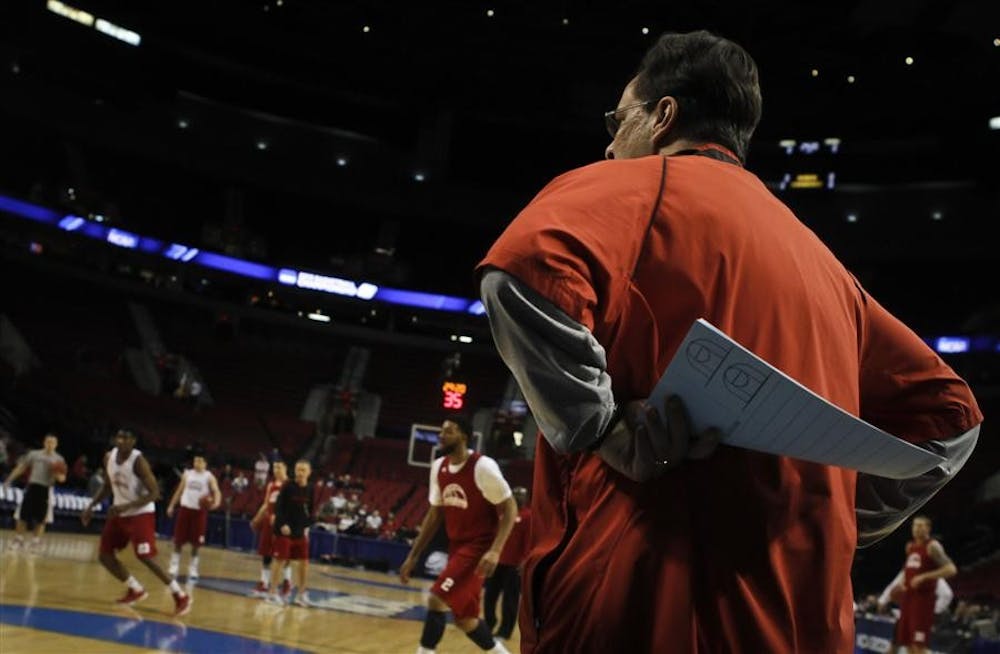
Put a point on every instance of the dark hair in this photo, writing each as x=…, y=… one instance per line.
x=714, y=81
x=923, y=517
x=464, y=422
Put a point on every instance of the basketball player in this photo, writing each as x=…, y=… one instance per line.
x=131, y=518
x=469, y=494
x=507, y=578
x=198, y=493
x=47, y=467
x=926, y=562
x=293, y=512
x=263, y=522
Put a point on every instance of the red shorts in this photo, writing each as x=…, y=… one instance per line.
x=140, y=530
x=287, y=548
x=459, y=585
x=916, y=618
x=265, y=546
x=190, y=526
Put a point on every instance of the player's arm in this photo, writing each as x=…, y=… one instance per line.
x=430, y=525
x=946, y=567
x=18, y=470
x=216, y=493
x=104, y=492
x=886, y=596
x=151, y=487
x=176, y=497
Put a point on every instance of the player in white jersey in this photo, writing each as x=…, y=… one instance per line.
x=198, y=493
x=131, y=518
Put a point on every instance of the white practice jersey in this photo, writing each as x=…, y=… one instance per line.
x=196, y=486
x=125, y=484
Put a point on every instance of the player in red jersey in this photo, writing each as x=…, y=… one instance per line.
x=926, y=562
x=131, y=518
x=263, y=523
x=469, y=494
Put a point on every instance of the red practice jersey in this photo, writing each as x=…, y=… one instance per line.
x=469, y=517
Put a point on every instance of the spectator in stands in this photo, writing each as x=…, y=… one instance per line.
x=389, y=527
x=227, y=473
x=363, y=513
x=331, y=480
x=79, y=473
x=353, y=504
x=346, y=524
x=260, y=470
x=240, y=483
x=358, y=484
x=373, y=523
x=339, y=502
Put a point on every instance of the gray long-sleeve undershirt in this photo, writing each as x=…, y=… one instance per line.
x=562, y=372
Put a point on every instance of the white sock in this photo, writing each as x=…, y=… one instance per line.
x=133, y=584
x=175, y=587
x=265, y=576
x=498, y=648
x=194, y=563
x=288, y=574
x=18, y=538
x=424, y=650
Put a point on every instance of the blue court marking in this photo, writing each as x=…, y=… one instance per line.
x=330, y=600
x=147, y=634
x=380, y=584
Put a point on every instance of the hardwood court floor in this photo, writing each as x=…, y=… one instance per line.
x=62, y=600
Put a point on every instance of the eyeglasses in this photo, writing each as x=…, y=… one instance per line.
x=611, y=120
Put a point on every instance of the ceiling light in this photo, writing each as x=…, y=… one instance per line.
x=565, y=21
x=996, y=43
x=489, y=12
x=261, y=144
x=852, y=217
x=366, y=29
x=937, y=215
x=814, y=72
x=645, y=30
x=909, y=61
x=419, y=177
x=850, y=79
x=995, y=122
x=182, y=123
x=341, y=161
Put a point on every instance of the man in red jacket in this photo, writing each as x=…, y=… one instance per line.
x=641, y=541
x=507, y=578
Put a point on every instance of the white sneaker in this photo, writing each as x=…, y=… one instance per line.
x=192, y=575
x=303, y=600
x=172, y=570
x=498, y=647
x=275, y=599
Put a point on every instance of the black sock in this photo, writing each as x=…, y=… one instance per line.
x=433, y=629
x=481, y=636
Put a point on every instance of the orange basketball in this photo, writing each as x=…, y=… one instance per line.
x=58, y=467
x=206, y=502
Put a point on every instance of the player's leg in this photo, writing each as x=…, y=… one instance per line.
x=511, y=599
x=460, y=588
x=142, y=534
x=113, y=538
x=434, y=623
x=492, y=589
x=301, y=567
x=193, y=564
x=277, y=571
x=199, y=525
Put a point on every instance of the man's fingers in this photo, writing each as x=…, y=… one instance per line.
x=705, y=443
x=678, y=430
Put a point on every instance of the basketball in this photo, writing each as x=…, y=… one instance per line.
x=58, y=467
x=257, y=522
x=205, y=502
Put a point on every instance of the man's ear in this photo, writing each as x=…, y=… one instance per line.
x=665, y=123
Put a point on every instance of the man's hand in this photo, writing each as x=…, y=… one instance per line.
x=286, y=530
x=641, y=445
x=488, y=564
x=85, y=517
x=406, y=569
x=170, y=512
x=117, y=509
x=917, y=581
